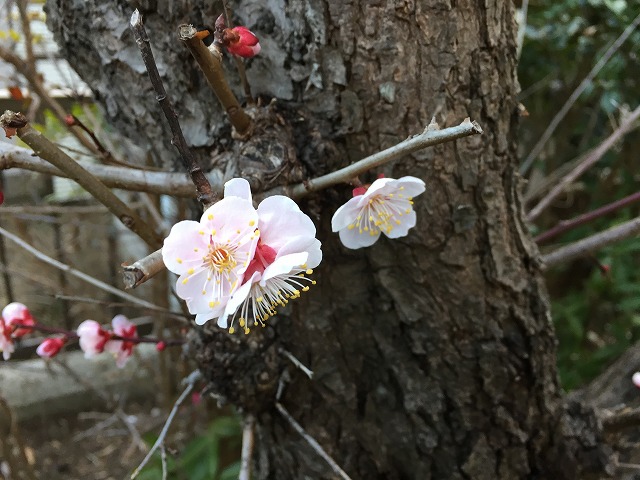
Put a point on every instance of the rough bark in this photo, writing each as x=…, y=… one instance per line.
x=434, y=354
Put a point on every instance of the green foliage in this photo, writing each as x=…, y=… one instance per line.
x=596, y=316
x=203, y=458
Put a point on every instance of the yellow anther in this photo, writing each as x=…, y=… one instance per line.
x=259, y=299
x=238, y=231
x=213, y=232
x=210, y=217
x=351, y=226
x=398, y=222
x=242, y=322
x=246, y=331
x=252, y=223
x=407, y=211
x=313, y=282
x=190, y=271
x=257, y=232
x=232, y=330
x=195, y=249
x=309, y=271
x=305, y=289
x=184, y=282
x=179, y=260
x=201, y=232
x=212, y=304
x=410, y=202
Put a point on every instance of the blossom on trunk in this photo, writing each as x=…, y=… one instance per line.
x=241, y=41
x=287, y=251
x=17, y=314
x=212, y=255
x=122, y=349
x=386, y=206
x=93, y=338
x=50, y=347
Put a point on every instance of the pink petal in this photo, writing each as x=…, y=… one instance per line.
x=237, y=187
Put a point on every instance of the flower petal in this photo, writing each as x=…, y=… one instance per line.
x=354, y=239
x=237, y=187
x=179, y=259
x=407, y=222
x=412, y=186
x=284, y=265
x=346, y=214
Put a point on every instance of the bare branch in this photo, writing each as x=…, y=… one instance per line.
x=621, y=420
x=312, y=442
x=592, y=243
x=165, y=183
x=190, y=381
x=142, y=270
x=50, y=152
x=210, y=62
x=576, y=93
x=590, y=159
x=431, y=136
x=567, y=225
x=298, y=364
x=72, y=271
x=205, y=194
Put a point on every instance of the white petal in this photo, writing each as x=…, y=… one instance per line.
x=413, y=186
x=315, y=254
x=239, y=296
x=203, y=318
x=354, y=239
x=346, y=214
x=237, y=187
x=282, y=222
x=284, y=266
x=233, y=219
x=184, y=247
x=407, y=222
x=377, y=186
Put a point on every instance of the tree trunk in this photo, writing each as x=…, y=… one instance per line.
x=434, y=354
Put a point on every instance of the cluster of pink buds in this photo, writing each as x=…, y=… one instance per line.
x=15, y=322
x=120, y=342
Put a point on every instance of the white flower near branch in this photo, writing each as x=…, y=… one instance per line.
x=212, y=255
x=287, y=251
x=386, y=206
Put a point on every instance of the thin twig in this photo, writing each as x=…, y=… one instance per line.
x=248, y=432
x=431, y=136
x=205, y=194
x=72, y=271
x=592, y=243
x=567, y=225
x=522, y=28
x=190, y=381
x=48, y=151
x=210, y=62
x=163, y=460
x=590, y=159
x=312, y=442
x=524, y=168
x=299, y=365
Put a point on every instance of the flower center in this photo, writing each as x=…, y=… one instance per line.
x=219, y=258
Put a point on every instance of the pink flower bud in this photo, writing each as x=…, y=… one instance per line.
x=17, y=314
x=70, y=120
x=160, y=346
x=50, y=347
x=6, y=342
x=241, y=41
x=122, y=349
x=359, y=191
x=93, y=338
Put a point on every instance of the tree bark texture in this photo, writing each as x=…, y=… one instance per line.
x=434, y=354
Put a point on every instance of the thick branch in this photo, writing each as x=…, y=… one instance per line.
x=205, y=194
x=592, y=243
x=142, y=270
x=210, y=62
x=50, y=152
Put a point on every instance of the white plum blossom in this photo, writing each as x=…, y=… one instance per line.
x=211, y=255
x=287, y=251
x=384, y=207
x=122, y=349
x=635, y=378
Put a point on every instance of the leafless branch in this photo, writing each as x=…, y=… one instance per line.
x=567, y=225
x=432, y=135
x=298, y=364
x=312, y=442
x=190, y=381
x=576, y=93
x=621, y=420
x=210, y=62
x=72, y=271
x=590, y=159
x=47, y=150
x=142, y=270
x=592, y=243
x=205, y=193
